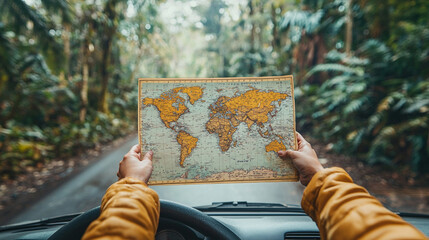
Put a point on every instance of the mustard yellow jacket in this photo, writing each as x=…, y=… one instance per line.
x=129, y=210
x=341, y=209
x=344, y=210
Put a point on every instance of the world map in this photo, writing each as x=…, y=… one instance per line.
x=217, y=130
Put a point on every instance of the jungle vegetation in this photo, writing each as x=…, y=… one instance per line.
x=69, y=69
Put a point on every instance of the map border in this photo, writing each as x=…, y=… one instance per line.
x=228, y=79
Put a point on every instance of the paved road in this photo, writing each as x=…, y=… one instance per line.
x=85, y=191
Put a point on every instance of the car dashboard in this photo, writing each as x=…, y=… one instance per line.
x=264, y=225
x=248, y=225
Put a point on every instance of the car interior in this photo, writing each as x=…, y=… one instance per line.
x=221, y=220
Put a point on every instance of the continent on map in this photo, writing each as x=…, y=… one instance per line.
x=251, y=107
x=224, y=130
x=275, y=146
x=187, y=144
x=171, y=106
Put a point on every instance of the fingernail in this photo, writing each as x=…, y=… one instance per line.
x=281, y=153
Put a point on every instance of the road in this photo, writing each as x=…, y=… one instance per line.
x=86, y=189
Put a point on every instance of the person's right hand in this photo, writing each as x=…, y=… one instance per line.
x=305, y=160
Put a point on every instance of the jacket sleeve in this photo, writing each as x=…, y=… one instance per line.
x=344, y=210
x=129, y=210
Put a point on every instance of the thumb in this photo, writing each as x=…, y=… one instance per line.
x=292, y=154
x=289, y=154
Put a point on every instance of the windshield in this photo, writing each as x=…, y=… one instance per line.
x=68, y=92
x=206, y=194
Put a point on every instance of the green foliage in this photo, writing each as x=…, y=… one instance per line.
x=47, y=111
x=60, y=61
x=297, y=21
x=367, y=110
x=371, y=102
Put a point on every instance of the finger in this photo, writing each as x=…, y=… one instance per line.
x=301, y=141
x=148, y=156
x=299, y=137
x=134, y=152
x=135, y=149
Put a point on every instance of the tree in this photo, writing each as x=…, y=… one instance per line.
x=109, y=27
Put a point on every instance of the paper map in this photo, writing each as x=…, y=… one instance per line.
x=217, y=130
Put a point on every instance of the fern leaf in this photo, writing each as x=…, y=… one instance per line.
x=357, y=140
x=302, y=20
x=388, y=101
x=356, y=87
x=418, y=106
x=355, y=105
x=334, y=67
x=341, y=79
x=374, y=120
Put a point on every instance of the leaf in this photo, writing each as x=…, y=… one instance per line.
x=304, y=20
x=355, y=105
x=334, y=67
x=418, y=106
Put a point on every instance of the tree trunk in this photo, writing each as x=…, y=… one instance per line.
x=66, y=41
x=275, y=43
x=137, y=63
x=85, y=77
x=380, y=23
x=252, y=37
x=349, y=27
x=105, y=63
x=110, y=29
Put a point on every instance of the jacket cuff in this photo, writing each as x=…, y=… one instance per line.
x=309, y=198
x=126, y=183
x=130, y=180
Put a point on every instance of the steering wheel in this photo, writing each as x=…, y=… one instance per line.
x=170, y=210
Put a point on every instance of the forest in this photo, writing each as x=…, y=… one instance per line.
x=69, y=69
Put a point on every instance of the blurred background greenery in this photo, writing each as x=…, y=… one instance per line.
x=69, y=69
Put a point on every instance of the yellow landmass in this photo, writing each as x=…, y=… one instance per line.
x=194, y=93
x=251, y=107
x=249, y=122
x=259, y=115
x=255, y=103
x=171, y=106
x=235, y=122
x=224, y=129
x=167, y=111
x=187, y=144
x=275, y=146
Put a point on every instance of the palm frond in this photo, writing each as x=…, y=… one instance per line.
x=386, y=103
x=60, y=5
x=419, y=106
x=304, y=20
x=377, y=50
x=357, y=139
x=334, y=67
x=22, y=13
x=340, y=79
x=335, y=56
x=355, y=105
x=8, y=53
x=375, y=120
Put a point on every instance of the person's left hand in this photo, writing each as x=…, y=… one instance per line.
x=135, y=165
